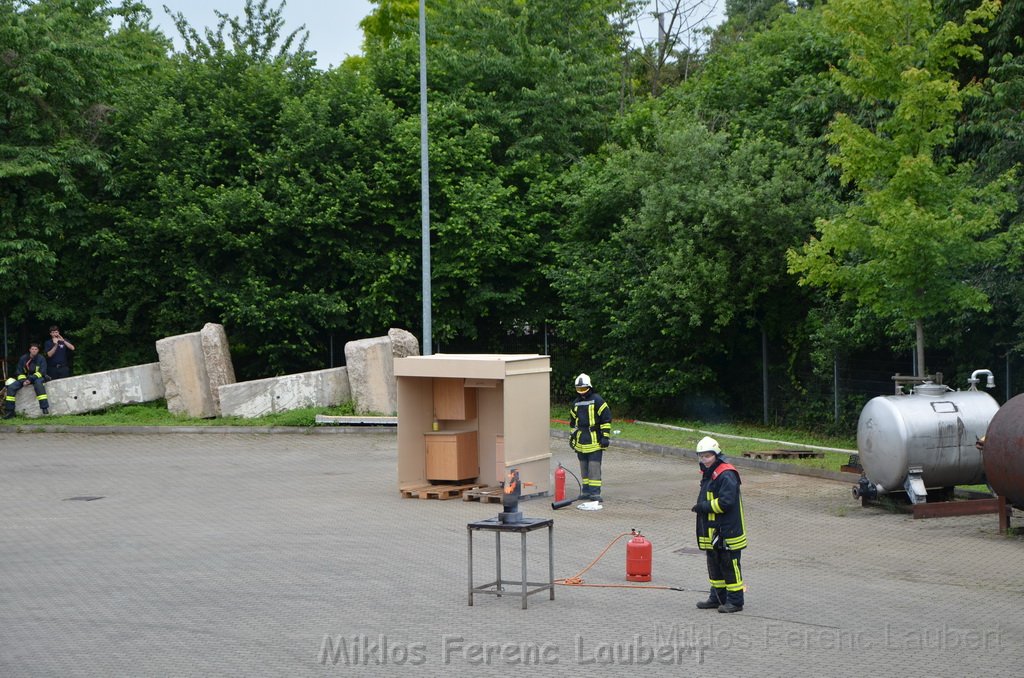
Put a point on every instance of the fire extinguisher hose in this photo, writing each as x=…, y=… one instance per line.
x=576, y=580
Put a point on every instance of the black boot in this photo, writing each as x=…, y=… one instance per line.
x=716, y=598
x=8, y=414
x=733, y=602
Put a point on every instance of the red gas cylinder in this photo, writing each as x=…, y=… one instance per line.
x=559, y=483
x=638, y=558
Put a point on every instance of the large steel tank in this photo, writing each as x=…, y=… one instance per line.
x=1003, y=454
x=928, y=437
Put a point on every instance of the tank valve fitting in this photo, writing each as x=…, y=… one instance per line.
x=990, y=381
x=865, y=489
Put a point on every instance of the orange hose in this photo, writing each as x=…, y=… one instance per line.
x=576, y=580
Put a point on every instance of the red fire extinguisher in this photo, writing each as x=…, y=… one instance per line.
x=638, y=558
x=559, y=483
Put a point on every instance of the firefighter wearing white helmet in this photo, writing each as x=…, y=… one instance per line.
x=721, y=528
x=591, y=422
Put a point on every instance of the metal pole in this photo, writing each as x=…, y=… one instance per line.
x=764, y=373
x=835, y=389
x=919, y=326
x=425, y=183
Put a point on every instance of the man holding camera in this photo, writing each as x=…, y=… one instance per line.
x=58, y=352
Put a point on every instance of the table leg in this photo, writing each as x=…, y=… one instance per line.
x=497, y=560
x=524, y=568
x=551, y=560
x=470, y=537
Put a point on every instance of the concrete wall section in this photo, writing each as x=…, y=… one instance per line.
x=322, y=388
x=96, y=391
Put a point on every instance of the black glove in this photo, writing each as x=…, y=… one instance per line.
x=695, y=508
x=702, y=507
x=604, y=443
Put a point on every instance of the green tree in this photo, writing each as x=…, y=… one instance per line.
x=905, y=246
x=518, y=92
x=57, y=72
x=211, y=215
x=676, y=259
x=63, y=67
x=673, y=262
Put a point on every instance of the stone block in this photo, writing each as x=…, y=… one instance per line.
x=217, y=357
x=321, y=388
x=193, y=366
x=96, y=391
x=403, y=343
x=371, y=375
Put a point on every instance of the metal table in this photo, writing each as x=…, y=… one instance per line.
x=522, y=527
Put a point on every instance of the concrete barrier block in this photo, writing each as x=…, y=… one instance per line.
x=371, y=375
x=193, y=366
x=321, y=388
x=96, y=391
x=217, y=356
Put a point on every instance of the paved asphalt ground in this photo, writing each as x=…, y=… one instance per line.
x=248, y=554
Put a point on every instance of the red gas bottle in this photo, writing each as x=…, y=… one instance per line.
x=559, y=483
x=638, y=558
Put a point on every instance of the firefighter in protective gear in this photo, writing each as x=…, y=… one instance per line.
x=591, y=422
x=721, y=529
x=31, y=369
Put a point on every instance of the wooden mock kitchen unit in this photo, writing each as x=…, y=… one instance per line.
x=492, y=413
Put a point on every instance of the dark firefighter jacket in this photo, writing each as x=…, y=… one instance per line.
x=591, y=422
x=720, y=522
x=32, y=368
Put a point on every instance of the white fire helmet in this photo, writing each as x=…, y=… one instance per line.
x=583, y=383
x=708, y=444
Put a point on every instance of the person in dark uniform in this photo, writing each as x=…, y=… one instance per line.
x=31, y=371
x=591, y=421
x=721, y=528
x=58, y=353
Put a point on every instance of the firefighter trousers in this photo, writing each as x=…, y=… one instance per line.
x=725, y=576
x=590, y=473
x=14, y=385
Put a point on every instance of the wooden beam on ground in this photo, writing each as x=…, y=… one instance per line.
x=970, y=507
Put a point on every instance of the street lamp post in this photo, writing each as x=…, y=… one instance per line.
x=425, y=183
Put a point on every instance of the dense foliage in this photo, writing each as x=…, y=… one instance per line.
x=655, y=231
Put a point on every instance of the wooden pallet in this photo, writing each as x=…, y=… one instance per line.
x=436, y=491
x=484, y=495
x=785, y=454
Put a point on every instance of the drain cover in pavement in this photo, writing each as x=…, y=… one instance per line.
x=82, y=498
